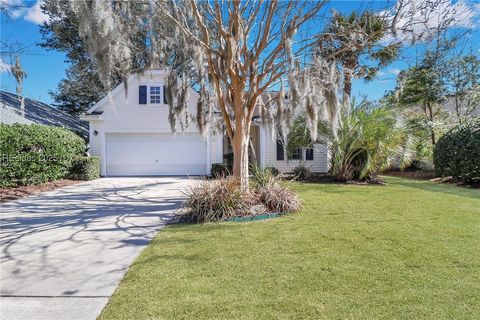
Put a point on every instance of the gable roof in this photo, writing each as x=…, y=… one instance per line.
x=121, y=86
x=39, y=113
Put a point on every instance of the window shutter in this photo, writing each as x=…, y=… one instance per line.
x=309, y=154
x=280, y=151
x=142, y=94
x=164, y=95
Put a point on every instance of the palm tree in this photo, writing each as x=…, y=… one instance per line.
x=370, y=139
x=354, y=42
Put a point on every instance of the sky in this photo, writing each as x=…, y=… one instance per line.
x=46, y=68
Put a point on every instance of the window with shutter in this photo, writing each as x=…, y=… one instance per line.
x=280, y=150
x=142, y=94
x=155, y=95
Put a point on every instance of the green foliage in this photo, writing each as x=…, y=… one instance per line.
x=457, y=153
x=273, y=170
x=369, y=140
x=261, y=177
x=302, y=173
x=33, y=154
x=85, y=168
x=299, y=134
x=407, y=250
x=354, y=41
x=219, y=170
x=463, y=77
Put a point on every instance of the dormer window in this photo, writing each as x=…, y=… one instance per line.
x=155, y=95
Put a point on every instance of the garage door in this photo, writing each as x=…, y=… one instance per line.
x=132, y=154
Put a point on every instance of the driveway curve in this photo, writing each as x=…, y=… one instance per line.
x=64, y=252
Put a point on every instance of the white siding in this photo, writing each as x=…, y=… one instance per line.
x=123, y=113
x=318, y=164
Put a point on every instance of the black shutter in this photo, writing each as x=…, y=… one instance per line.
x=280, y=152
x=164, y=96
x=309, y=154
x=142, y=94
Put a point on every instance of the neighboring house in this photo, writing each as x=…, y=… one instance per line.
x=132, y=136
x=39, y=113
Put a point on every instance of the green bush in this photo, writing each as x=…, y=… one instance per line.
x=273, y=170
x=302, y=173
x=261, y=177
x=457, y=153
x=33, y=154
x=219, y=170
x=85, y=168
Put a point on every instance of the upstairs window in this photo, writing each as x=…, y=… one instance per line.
x=155, y=95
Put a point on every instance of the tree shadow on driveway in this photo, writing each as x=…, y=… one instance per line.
x=80, y=240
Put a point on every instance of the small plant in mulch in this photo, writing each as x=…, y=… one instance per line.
x=221, y=199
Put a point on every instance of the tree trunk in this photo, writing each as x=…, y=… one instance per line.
x=432, y=129
x=240, y=145
x=347, y=87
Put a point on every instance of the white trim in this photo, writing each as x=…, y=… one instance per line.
x=103, y=149
x=262, y=146
x=107, y=97
x=209, y=157
x=91, y=117
x=103, y=153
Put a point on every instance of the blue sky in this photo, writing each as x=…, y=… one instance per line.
x=46, y=68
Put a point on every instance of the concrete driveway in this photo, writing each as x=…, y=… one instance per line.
x=64, y=252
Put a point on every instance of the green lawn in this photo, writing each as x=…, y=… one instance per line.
x=407, y=250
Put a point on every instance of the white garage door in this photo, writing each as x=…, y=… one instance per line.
x=131, y=154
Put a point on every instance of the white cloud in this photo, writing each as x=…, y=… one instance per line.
x=4, y=67
x=35, y=14
x=422, y=18
x=23, y=9
x=395, y=71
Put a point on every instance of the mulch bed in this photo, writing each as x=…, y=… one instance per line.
x=422, y=175
x=8, y=194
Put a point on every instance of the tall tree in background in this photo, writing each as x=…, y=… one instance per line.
x=354, y=42
x=82, y=86
x=463, y=79
x=234, y=52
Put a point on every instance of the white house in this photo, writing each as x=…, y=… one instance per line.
x=131, y=134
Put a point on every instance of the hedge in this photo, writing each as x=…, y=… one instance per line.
x=85, y=168
x=457, y=153
x=34, y=154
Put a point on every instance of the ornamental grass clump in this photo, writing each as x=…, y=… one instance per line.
x=222, y=198
x=278, y=198
x=215, y=200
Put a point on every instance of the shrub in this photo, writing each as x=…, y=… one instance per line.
x=214, y=200
x=457, y=153
x=278, y=198
x=274, y=171
x=33, y=154
x=370, y=139
x=261, y=177
x=301, y=173
x=219, y=170
x=85, y=168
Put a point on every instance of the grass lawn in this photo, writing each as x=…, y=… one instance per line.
x=410, y=249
